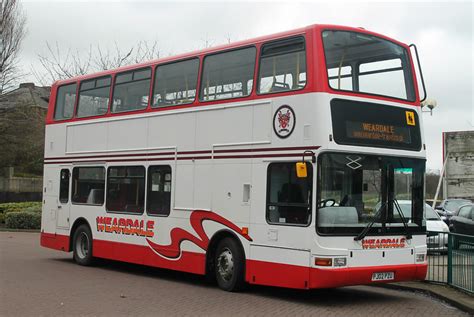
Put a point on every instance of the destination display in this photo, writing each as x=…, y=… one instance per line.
x=381, y=132
x=369, y=124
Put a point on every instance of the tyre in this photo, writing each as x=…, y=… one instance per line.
x=230, y=265
x=82, y=245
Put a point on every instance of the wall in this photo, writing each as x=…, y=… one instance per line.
x=459, y=173
x=15, y=189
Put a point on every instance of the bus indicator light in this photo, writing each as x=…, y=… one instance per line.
x=323, y=261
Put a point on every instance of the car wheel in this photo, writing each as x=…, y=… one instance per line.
x=230, y=265
x=82, y=246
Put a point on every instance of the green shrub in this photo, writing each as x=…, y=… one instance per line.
x=23, y=220
x=16, y=207
x=2, y=218
x=33, y=209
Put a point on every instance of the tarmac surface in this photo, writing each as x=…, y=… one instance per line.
x=35, y=281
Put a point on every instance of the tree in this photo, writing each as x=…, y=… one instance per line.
x=22, y=141
x=58, y=64
x=12, y=33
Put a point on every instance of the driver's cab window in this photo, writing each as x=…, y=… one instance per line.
x=288, y=197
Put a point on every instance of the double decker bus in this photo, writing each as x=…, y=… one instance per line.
x=275, y=161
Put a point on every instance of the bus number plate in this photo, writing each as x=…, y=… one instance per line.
x=383, y=276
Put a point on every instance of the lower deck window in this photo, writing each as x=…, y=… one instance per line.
x=288, y=197
x=126, y=189
x=159, y=190
x=88, y=185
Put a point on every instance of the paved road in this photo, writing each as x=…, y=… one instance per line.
x=37, y=281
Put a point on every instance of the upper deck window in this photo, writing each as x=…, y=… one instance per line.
x=94, y=96
x=367, y=64
x=175, y=84
x=65, y=100
x=282, y=66
x=228, y=75
x=131, y=90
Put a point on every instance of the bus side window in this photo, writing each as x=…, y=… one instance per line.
x=282, y=66
x=94, y=96
x=65, y=100
x=88, y=185
x=159, y=190
x=175, y=84
x=228, y=75
x=131, y=90
x=64, y=186
x=288, y=197
x=126, y=189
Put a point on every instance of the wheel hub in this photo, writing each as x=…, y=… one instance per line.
x=82, y=245
x=225, y=264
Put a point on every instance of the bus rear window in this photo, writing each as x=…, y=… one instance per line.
x=66, y=97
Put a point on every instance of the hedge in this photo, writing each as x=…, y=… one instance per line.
x=29, y=206
x=13, y=207
x=23, y=220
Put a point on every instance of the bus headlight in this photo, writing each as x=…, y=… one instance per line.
x=340, y=262
x=420, y=257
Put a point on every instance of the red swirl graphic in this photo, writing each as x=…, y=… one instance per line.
x=179, y=235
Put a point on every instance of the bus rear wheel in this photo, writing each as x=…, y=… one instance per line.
x=82, y=245
x=229, y=265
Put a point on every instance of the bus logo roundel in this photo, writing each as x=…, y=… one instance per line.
x=284, y=121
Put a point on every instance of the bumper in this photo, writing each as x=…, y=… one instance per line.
x=300, y=277
x=325, y=278
x=55, y=241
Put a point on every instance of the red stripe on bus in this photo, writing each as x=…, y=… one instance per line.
x=191, y=262
x=207, y=157
x=257, y=272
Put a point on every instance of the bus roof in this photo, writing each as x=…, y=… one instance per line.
x=202, y=52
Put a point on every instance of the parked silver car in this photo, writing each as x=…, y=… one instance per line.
x=437, y=239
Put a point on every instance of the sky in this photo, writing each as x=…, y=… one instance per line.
x=442, y=31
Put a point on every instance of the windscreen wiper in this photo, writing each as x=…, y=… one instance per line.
x=364, y=232
x=405, y=222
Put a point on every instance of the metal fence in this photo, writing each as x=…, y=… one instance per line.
x=451, y=259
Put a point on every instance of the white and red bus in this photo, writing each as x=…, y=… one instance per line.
x=273, y=161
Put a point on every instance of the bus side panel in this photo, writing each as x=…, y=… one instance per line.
x=50, y=199
x=278, y=267
x=190, y=262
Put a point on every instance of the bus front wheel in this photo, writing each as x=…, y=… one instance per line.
x=82, y=245
x=229, y=265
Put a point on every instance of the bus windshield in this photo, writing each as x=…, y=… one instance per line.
x=367, y=64
x=356, y=189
